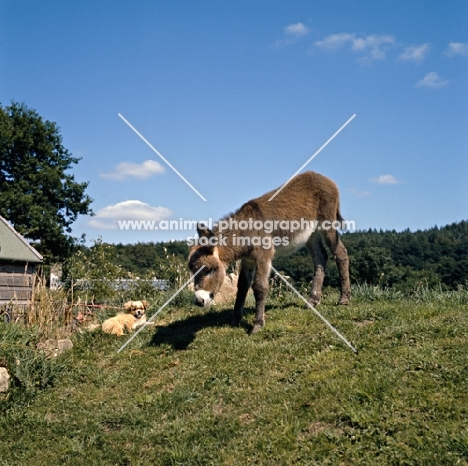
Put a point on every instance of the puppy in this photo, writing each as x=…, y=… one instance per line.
x=136, y=306
x=134, y=317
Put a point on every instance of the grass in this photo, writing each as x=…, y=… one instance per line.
x=195, y=391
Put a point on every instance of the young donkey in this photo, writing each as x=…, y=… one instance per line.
x=262, y=229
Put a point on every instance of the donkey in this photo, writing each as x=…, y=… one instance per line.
x=263, y=229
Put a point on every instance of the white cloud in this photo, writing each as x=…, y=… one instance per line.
x=457, y=48
x=385, y=179
x=107, y=217
x=137, y=170
x=432, y=80
x=296, y=30
x=293, y=32
x=371, y=47
x=415, y=53
x=334, y=41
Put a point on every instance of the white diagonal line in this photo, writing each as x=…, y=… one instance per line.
x=159, y=154
x=308, y=161
x=315, y=310
x=161, y=308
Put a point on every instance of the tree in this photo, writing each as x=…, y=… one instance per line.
x=95, y=271
x=37, y=194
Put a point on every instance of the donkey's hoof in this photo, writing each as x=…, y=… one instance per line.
x=343, y=302
x=315, y=300
x=256, y=328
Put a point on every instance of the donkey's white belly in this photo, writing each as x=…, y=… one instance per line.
x=296, y=241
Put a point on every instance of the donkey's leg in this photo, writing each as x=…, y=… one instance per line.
x=319, y=256
x=243, y=284
x=260, y=289
x=341, y=257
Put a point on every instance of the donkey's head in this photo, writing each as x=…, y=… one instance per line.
x=211, y=276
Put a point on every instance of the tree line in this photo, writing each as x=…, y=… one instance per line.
x=433, y=257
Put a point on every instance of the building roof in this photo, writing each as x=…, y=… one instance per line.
x=13, y=247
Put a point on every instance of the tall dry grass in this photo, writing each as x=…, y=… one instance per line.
x=51, y=312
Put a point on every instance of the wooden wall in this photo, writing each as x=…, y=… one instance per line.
x=16, y=283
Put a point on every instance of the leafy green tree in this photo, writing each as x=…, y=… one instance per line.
x=37, y=194
x=370, y=265
x=94, y=271
x=298, y=266
x=143, y=258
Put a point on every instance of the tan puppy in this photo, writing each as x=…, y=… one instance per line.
x=136, y=305
x=134, y=318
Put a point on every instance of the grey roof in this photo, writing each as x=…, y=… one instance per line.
x=13, y=247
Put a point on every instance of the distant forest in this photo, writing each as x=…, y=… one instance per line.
x=434, y=257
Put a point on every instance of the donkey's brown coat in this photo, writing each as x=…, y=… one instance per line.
x=308, y=196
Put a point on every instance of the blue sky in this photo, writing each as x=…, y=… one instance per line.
x=238, y=95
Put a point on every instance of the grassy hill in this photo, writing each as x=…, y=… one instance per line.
x=193, y=390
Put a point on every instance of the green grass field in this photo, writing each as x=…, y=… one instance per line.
x=193, y=390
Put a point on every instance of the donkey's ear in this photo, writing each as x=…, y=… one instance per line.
x=204, y=231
